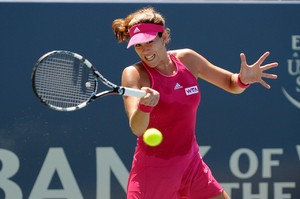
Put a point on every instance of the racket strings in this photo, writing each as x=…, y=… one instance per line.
x=64, y=81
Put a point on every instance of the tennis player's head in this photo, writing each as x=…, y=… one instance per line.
x=141, y=26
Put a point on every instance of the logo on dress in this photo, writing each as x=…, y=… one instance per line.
x=191, y=90
x=177, y=86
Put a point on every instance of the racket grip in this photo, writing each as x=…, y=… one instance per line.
x=133, y=92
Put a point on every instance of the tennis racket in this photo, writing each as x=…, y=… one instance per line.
x=66, y=81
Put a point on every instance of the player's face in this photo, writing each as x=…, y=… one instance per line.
x=150, y=51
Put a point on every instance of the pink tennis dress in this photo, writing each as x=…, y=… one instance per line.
x=174, y=169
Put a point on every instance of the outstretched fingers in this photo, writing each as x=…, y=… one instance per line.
x=256, y=72
x=263, y=58
x=268, y=66
x=243, y=59
x=262, y=82
x=270, y=76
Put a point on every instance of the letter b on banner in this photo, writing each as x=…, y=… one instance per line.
x=10, y=166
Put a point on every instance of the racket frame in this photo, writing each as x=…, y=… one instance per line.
x=115, y=89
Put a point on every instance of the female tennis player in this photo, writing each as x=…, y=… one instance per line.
x=174, y=169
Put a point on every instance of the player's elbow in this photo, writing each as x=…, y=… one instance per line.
x=138, y=126
x=136, y=130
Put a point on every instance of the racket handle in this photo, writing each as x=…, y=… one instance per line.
x=133, y=92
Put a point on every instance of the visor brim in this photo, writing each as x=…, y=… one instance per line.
x=141, y=38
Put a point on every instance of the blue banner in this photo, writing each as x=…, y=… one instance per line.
x=250, y=141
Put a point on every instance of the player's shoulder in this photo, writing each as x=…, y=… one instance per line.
x=136, y=67
x=186, y=55
x=135, y=76
x=135, y=70
x=183, y=53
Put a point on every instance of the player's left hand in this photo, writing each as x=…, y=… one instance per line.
x=254, y=73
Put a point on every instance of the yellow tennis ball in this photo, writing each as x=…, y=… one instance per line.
x=152, y=137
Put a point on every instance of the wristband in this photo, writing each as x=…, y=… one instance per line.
x=144, y=108
x=240, y=83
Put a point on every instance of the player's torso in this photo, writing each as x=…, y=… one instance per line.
x=175, y=114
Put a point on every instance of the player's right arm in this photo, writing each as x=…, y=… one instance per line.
x=136, y=77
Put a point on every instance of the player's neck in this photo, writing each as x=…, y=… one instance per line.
x=166, y=66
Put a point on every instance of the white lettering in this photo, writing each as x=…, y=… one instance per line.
x=296, y=42
x=298, y=84
x=234, y=163
x=204, y=150
x=293, y=66
x=267, y=161
x=56, y=161
x=108, y=161
x=191, y=90
x=229, y=186
x=278, y=189
x=262, y=191
x=298, y=151
x=10, y=166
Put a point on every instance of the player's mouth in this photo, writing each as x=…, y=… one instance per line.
x=150, y=58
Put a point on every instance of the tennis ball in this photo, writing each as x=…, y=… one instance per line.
x=152, y=137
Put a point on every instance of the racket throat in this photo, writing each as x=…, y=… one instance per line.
x=114, y=91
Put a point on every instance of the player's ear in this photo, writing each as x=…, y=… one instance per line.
x=165, y=37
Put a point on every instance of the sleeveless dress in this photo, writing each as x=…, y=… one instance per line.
x=173, y=169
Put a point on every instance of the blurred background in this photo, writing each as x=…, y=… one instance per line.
x=250, y=141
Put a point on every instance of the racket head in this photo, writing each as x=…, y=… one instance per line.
x=64, y=81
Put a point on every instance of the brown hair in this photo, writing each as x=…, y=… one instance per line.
x=120, y=27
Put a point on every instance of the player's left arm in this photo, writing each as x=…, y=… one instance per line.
x=225, y=79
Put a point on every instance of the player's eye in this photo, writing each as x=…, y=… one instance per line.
x=137, y=46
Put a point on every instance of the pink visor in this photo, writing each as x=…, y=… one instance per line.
x=143, y=32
